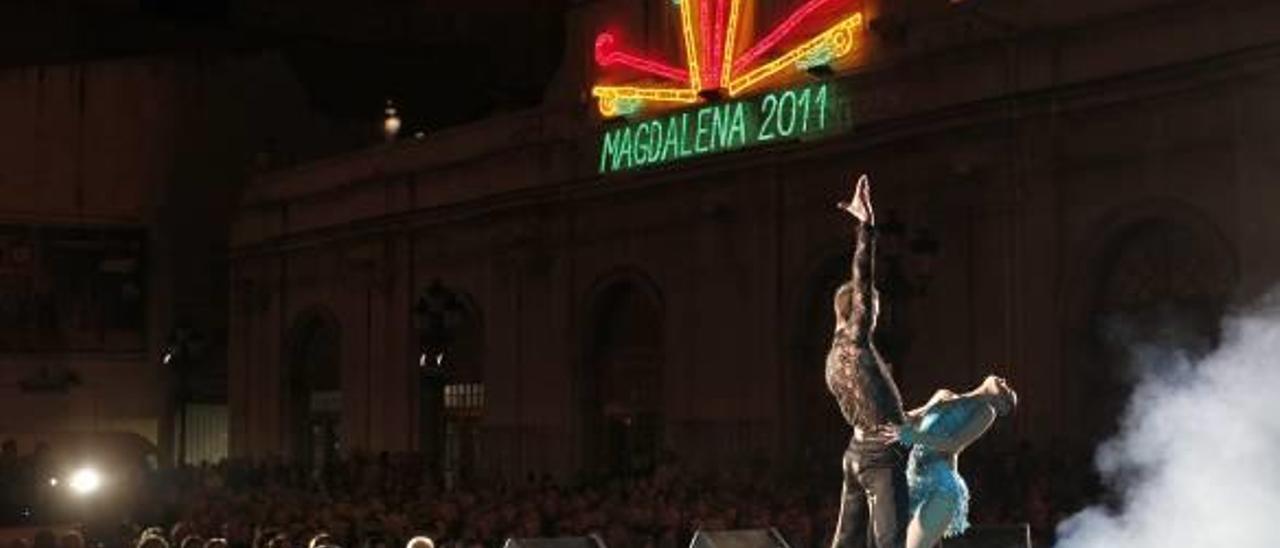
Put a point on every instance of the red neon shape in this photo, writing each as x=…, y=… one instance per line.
x=717, y=51
x=704, y=37
x=776, y=35
x=608, y=54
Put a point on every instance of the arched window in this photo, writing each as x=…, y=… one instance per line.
x=1162, y=288
x=315, y=388
x=820, y=431
x=623, y=377
x=451, y=380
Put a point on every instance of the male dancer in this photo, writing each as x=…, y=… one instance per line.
x=875, y=483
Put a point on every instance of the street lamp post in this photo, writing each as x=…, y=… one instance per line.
x=436, y=316
x=182, y=349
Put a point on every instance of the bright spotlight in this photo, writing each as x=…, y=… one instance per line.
x=85, y=481
x=53, y=482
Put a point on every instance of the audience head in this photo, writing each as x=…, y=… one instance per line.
x=321, y=540
x=380, y=502
x=44, y=538
x=151, y=541
x=72, y=539
x=278, y=540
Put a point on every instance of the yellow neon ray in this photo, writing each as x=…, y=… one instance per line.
x=609, y=96
x=839, y=38
x=690, y=46
x=730, y=36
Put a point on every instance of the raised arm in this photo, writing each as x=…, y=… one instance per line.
x=862, y=305
x=886, y=404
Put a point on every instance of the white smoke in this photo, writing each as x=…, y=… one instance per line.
x=1197, y=461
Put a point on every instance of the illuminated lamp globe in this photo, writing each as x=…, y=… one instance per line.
x=85, y=481
x=391, y=123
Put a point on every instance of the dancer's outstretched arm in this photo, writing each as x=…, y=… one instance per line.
x=911, y=434
x=863, y=300
x=939, y=396
x=887, y=405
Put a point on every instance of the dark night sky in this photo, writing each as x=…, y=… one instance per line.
x=349, y=54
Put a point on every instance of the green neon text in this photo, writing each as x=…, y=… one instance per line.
x=786, y=114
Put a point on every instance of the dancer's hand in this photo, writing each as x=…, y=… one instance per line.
x=886, y=434
x=860, y=205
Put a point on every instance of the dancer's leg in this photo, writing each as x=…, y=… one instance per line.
x=887, y=496
x=930, y=522
x=851, y=529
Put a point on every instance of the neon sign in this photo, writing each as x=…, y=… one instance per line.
x=785, y=114
x=711, y=35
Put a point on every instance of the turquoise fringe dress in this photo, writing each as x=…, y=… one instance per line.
x=929, y=472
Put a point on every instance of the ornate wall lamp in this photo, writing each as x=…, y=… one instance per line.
x=436, y=316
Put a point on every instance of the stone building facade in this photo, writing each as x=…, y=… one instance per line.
x=120, y=175
x=1066, y=176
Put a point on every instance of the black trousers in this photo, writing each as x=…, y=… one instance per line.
x=874, y=502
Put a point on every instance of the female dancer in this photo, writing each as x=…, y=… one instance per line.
x=939, y=431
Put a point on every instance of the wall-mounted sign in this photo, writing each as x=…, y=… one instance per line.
x=724, y=61
x=722, y=56
x=797, y=113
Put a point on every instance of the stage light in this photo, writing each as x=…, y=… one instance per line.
x=53, y=482
x=168, y=357
x=85, y=481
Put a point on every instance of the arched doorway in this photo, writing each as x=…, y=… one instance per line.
x=623, y=377
x=1162, y=288
x=451, y=390
x=315, y=389
x=821, y=433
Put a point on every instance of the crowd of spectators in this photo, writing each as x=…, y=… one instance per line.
x=385, y=500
